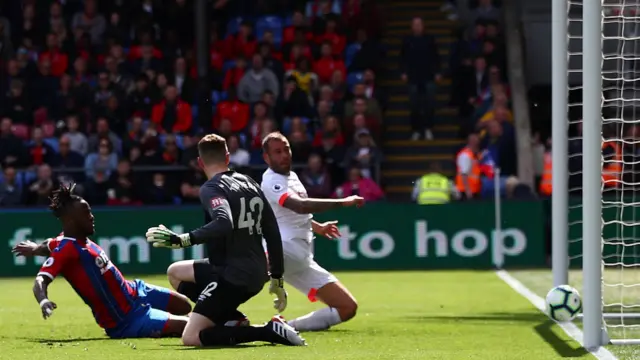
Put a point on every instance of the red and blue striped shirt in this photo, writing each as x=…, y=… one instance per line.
x=94, y=278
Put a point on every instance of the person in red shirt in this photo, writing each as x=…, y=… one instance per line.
x=234, y=110
x=243, y=43
x=58, y=59
x=233, y=75
x=338, y=42
x=330, y=128
x=172, y=114
x=39, y=151
x=298, y=22
x=328, y=64
x=123, y=308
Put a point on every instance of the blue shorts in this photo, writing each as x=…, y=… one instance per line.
x=150, y=316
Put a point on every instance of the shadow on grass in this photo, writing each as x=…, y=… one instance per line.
x=64, y=341
x=564, y=348
x=239, y=346
x=541, y=325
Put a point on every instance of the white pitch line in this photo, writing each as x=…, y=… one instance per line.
x=568, y=327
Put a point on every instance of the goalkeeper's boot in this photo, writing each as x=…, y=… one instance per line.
x=283, y=333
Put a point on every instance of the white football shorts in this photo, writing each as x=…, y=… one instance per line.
x=301, y=270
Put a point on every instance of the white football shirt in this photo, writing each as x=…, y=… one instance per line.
x=277, y=188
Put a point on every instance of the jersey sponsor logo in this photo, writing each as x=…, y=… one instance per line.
x=277, y=188
x=48, y=262
x=215, y=202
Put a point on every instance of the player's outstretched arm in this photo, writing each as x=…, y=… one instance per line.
x=40, y=287
x=29, y=248
x=314, y=205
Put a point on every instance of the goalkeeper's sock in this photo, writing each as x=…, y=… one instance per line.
x=317, y=320
x=190, y=290
x=226, y=335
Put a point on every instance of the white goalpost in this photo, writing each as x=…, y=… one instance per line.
x=596, y=55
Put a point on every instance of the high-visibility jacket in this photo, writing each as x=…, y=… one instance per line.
x=473, y=177
x=546, y=186
x=612, y=170
x=434, y=189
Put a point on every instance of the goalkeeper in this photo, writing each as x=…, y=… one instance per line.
x=240, y=217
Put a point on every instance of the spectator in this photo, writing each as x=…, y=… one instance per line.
x=68, y=159
x=12, y=151
x=372, y=90
x=330, y=128
x=44, y=84
x=103, y=131
x=485, y=11
x=57, y=59
x=90, y=21
x=515, y=190
x=364, y=154
x=261, y=129
x=183, y=83
x=501, y=145
x=256, y=81
x=78, y=140
x=359, y=185
x=39, y=189
x=39, y=151
x=10, y=189
x=234, y=75
x=64, y=100
x=327, y=64
x=158, y=193
x=306, y=80
x=123, y=84
x=316, y=178
x=172, y=114
x=141, y=98
x=369, y=105
x=334, y=155
x=369, y=54
x=172, y=153
x=420, y=63
x=233, y=110
x=238, y=157
x=300, y=145
x=16, y=105
x=241, y=44
x=296, y=101
x=330, y=35
x=6, y=47
x=468, y=171
x=99, y=165
x=122, y=189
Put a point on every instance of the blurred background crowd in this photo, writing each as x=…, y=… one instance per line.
x=107, y=94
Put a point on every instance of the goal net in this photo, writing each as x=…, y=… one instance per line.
x=619, y=252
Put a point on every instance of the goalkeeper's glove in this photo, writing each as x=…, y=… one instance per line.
x=277, y=287
x=160, y=236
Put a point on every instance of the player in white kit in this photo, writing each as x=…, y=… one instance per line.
x=293, y=209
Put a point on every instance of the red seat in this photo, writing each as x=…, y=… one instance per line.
x=21, y=131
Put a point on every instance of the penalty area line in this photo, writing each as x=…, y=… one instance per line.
x=537, y=301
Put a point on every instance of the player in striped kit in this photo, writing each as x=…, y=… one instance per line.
x=124, y=309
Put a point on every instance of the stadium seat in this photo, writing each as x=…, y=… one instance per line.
x=53, y=142
x=228, y=65
x=194, y=111
x=25, y=177
x=40, y=116
x=354, y=78
x=350, y=53
x=21, y=131
x=270, y=23
x=233, y=25
x=287, y=21
x=217, y=96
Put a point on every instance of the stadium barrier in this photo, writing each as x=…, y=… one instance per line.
x=379, y=236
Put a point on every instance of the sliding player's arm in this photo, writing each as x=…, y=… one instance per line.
x=49, y=270
x=220, y=225
x=277, y=191
x=29, y=248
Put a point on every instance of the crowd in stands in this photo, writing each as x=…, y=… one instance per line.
x=106, y=94
x=481, y=93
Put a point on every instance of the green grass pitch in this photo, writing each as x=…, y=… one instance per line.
x=402, y=315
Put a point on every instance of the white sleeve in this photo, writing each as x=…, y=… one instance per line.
x=275, y=189
x=464, y=164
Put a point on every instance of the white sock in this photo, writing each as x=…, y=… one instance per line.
x=317, y=320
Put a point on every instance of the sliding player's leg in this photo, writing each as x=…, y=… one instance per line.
x=319, y=284
x=189, y=278
x=162, y=298
x=148, y=322
x=217, y=304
